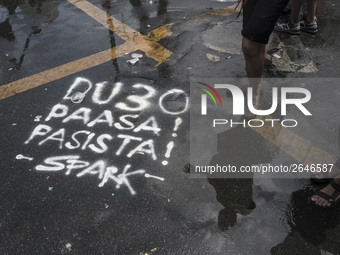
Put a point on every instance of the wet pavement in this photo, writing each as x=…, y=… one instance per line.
x=95, y=149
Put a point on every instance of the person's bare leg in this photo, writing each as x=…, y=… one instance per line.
x=329, y=190
x=295, y=11
x=311, y=10
x=255, y=55
x=296, y=7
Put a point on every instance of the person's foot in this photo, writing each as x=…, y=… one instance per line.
x=309, y=27
x=288, y=27
x=327, y=196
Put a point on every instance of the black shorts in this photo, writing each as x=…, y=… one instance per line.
x=260, y=17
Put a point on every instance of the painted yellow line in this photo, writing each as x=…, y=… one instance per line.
x=134, y=41
x=62, y=71
x=294, y=145
x=160, y=33
x=151, y=48
x=120, y=29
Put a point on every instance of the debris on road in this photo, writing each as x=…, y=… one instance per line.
x=213, y=58
x=133, y=61
x=277, y=56
x=136, y=55
x=68, y=246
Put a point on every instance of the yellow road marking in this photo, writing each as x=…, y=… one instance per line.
x=120, y=29
x=133, y=41
x=151, y=48
x=295, y=146
x=160, y=33
x=62, y=71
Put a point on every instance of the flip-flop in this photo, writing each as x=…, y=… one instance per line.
x=332, y=199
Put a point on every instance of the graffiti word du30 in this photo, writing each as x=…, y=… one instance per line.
x=101, y=132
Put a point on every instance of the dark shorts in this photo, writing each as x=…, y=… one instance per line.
x=260, y=17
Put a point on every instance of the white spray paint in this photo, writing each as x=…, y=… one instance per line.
x=40, y=130
x=128, y=123
x=108, y=119
x=99, y=91
x=144, y=126
x=58, y=136
x=121, y=178
x=155, y=177
x=142, y=148
x=74, y=139
x=174, y=91
x=78, y=84
x=54, y=164
x=178, y=122
x=20, y=156
x=169, y=148
x=141, y=101
x=95, y=141
x=55, y=113
x=97, y=168
x=126, y=141
x=82, y=113
x=77, y=98
x=37, y=118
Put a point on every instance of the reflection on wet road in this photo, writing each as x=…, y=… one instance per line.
x=95, y=132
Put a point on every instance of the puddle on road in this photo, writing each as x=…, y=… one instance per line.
x=258, y=216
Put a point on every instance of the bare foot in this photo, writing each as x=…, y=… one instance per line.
x=320, y=198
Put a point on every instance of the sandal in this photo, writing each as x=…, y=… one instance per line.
x=332, y=199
